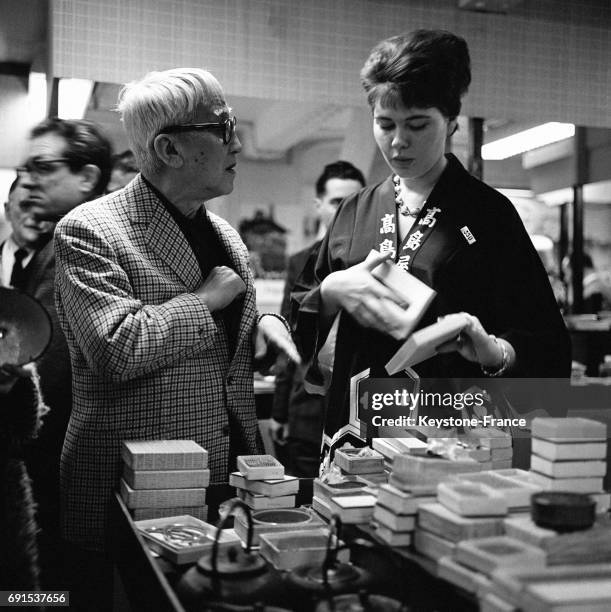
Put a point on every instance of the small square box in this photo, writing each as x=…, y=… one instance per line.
x=353, y=461
x=260, y=467
x=290, y=549
x=163, y=455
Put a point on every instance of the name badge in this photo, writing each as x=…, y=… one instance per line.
x=466, y=232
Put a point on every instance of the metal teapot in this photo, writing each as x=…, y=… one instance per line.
x=312, y=583
x=231, y=578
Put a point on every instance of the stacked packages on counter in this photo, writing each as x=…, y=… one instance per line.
x=262, y=484
x=527, y=566
x=394, y=515
x=164, y=478
x=569, y=454
x=346, y=490
x=335, y=485
x=463, y=532
x=460, y=504
x=364, y=462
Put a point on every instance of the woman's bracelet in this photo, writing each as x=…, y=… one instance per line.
x=504, y=360
x=278, y=316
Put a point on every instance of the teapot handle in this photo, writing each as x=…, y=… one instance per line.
x=331, y=556
x=221, y=525
x=335, y=526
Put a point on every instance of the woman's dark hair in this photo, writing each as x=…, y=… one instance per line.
x=426, y=68
x=85, y=144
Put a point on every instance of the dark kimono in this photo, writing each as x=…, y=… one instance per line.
x=471, y=247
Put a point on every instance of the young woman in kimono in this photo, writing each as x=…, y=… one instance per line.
x=436, y=221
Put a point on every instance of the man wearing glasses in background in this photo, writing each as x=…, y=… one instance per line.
x=157, y=302
x=68, y=163
x=28, y=236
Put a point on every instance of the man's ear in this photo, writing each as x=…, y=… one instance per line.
x=317, y=204
x=90, y=175
x=166, y=151
x=452, y=126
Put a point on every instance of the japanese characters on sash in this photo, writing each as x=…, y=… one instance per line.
x=414, y=239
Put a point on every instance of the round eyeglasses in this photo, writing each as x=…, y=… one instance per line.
x=226, y=127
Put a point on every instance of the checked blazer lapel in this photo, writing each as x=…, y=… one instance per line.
x=163, y=234
x=168, y=241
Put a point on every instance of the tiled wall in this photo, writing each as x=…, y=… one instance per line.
x=550, y=59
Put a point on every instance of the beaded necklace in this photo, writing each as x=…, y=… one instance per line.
x=401, y=205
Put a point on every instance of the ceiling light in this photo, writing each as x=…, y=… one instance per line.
x=532, y=138
x=73, y=98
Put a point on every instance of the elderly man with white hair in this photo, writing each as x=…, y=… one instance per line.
x=157, y=301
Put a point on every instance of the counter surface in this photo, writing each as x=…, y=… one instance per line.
x=397, y=572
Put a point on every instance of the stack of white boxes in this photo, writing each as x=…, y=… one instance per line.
x=394, y=515
x=164, y=478
x=420, y=475
x=439, y=531
x=462, y=534
x=412, y=483
x=324, y=490
x=462, y=510
x=569, y=454
x=262, y=484
x=472, y=507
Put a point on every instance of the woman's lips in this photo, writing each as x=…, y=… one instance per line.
x=402, y=161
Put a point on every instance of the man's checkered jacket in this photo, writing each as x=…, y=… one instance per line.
x=149, y=361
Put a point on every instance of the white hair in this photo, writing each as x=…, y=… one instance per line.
x=161, y=99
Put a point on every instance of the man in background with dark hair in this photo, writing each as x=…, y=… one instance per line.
x=297, y=416
x=68, y=163
x=124, y=169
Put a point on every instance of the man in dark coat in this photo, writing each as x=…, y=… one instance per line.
x=68, y=163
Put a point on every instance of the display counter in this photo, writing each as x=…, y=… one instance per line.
x=448, y=521
x=148, y=581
